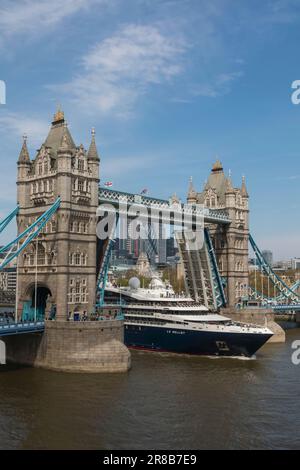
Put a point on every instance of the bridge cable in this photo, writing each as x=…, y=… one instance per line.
x=16, y=246
x=283, y=288
x=8, y=219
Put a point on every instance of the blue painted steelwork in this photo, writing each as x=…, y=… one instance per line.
x=8, y=219
x=15, y=247
x=21, y=328
x=294, y=287
x=286, y=308
x=116, y=198
x=103, y=272
x=283, y=288
x=102, y=278
x=255, y=294
x=30, y=314
x=216, y=277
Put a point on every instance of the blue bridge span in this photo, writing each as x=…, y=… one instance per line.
x=9, y=329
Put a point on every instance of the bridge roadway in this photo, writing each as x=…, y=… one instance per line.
x=161, y=209
x=8, y=329
x=286, y=308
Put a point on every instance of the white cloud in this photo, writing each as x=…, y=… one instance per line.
x=221, y=85
x=121, y=68
x=36, y=16
x=18, y=124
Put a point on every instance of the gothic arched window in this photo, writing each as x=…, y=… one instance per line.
x=80, y=185
x=80, y=164
x=41, y=254
x=77, y=259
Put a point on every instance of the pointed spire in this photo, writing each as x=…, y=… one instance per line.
x=24, y=154
x=58, y=116
x=59, y=135
x=217, y=166
x=244, y=191
x=191, y=187
x=192, y=193
x=64, y=145
x=92, y=152
x=229, y=187
x=175, y=199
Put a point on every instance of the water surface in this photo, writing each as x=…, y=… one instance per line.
x=164, y=402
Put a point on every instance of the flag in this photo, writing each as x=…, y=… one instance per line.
x=144, y=191
x=108, y=184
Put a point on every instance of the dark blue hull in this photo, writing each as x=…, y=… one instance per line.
x=203, y=343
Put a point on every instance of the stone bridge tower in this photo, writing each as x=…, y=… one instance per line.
x=57, y=271
x=230, y=242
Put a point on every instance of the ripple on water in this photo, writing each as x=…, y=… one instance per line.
x=165, y=401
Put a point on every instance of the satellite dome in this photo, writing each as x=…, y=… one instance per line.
x=134, y=283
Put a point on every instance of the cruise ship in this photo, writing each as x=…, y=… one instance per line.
x=157, y=319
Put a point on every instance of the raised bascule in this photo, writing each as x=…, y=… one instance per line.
x=62, y=266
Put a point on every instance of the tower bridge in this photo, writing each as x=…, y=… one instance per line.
x=62, y=266
x=161, y=210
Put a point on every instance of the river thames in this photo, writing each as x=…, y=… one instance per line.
x=164, y=402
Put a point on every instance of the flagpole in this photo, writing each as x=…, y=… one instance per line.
x=17, y=288
x=36, y=278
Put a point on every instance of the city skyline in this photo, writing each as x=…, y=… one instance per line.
x=167, y=90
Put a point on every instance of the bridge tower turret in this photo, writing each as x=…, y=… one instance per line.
x=230, y=242
x=24, y=168
x=57, y=270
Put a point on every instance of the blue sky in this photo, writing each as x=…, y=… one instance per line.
x=168, y=85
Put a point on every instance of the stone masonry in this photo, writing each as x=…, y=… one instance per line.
x=230, y=242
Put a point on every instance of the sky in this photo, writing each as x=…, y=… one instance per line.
x=169, y=85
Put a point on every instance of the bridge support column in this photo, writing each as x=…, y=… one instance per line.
x=92, y=346
x=61, y=297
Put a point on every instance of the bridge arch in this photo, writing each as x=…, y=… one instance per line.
x=37, y=302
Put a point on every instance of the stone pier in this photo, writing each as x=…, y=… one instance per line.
x=257, y=316
x=91, y=346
